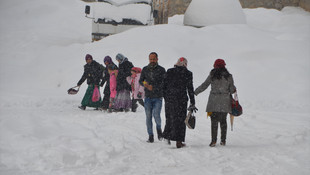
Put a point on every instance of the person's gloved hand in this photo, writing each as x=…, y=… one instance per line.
x=192, y=108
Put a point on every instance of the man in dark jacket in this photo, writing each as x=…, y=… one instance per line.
x=93, y=75
x=152, y=78
x=178, y=85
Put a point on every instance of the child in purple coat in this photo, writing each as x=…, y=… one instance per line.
x=136, y=89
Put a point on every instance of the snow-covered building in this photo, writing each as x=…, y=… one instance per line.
x=115, y=16
x=124, y=2
x=202, y=13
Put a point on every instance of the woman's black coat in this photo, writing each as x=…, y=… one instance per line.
x=123, y=72
x=92, y=72
x=178, y=88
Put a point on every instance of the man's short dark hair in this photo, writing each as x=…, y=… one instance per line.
x=154, y=53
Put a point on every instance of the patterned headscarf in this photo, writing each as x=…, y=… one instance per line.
x=136, y=69
x=181, y=62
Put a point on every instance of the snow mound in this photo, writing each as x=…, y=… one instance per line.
x=202, y=13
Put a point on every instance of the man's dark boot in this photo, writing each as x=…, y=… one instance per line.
x=151, y=139
x=159, y=134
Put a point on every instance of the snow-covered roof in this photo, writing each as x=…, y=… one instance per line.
x=125, y=2
x=138, y=12
x=202, y=13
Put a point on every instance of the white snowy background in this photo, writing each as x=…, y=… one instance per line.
x=42, y=132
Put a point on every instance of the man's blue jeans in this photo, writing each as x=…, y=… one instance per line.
x=152, y=108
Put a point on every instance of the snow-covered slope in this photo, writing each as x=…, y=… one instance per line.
x=43, y=44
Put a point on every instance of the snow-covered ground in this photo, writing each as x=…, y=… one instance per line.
x=42, y=132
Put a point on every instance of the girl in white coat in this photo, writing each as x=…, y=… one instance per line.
x=136, y=89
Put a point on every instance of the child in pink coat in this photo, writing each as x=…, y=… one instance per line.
x=136, y=89
x=113, y=74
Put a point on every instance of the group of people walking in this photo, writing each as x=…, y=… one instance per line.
x=117, y=88
x=126, y=85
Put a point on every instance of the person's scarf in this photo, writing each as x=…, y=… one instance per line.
x=152, y=66
x=121, y=58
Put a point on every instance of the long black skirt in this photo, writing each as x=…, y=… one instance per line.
x=175, y=128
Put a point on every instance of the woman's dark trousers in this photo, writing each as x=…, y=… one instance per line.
x=218, y=117
x=106, y=96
